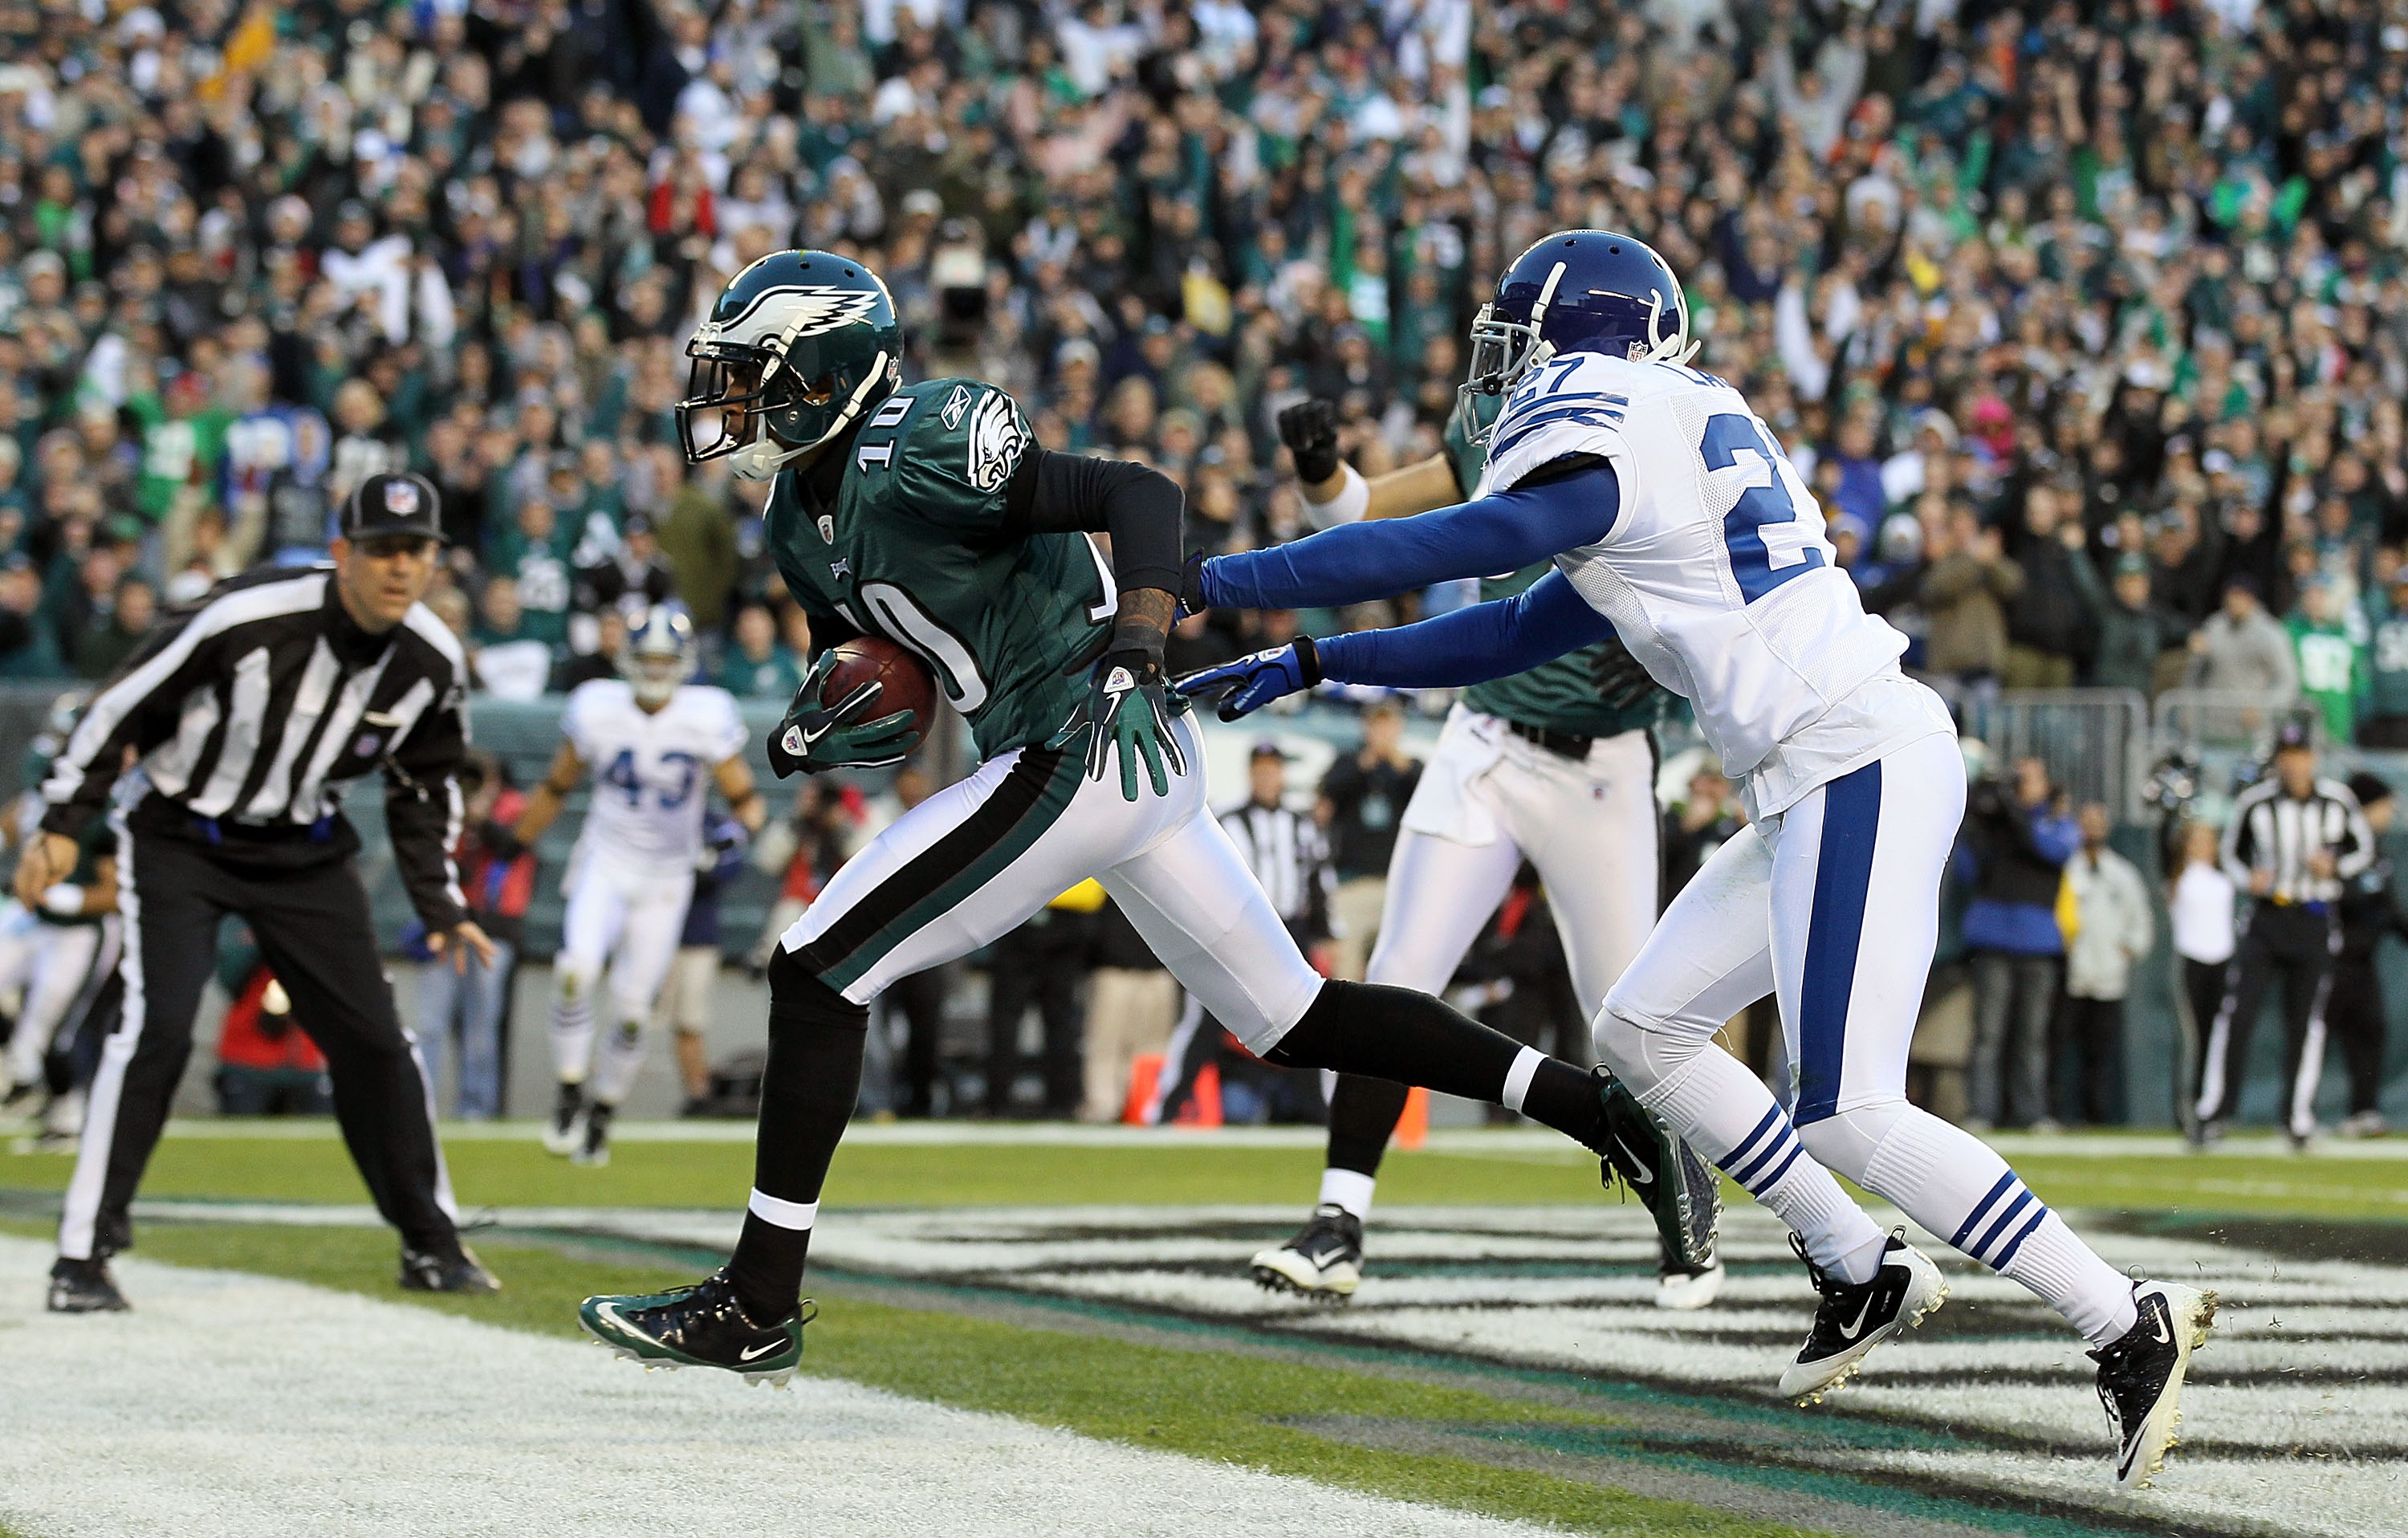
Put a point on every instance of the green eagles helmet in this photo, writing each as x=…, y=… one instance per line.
x=797, y=347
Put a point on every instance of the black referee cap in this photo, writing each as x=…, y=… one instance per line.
x=392, y=504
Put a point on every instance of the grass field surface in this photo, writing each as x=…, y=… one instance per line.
x=1180, y=1169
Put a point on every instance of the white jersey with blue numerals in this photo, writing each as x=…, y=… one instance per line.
x=1716, y=572
x=651, y=770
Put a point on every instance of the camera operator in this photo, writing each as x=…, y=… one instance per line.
x=2017, y=839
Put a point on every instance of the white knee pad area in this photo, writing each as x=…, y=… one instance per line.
x=1849, y=1143
x=1644, y=1058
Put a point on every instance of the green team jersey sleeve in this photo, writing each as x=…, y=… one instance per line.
x=958, y=442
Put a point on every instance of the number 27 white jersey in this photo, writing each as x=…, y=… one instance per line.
x=651, y=770
x=1716, y=573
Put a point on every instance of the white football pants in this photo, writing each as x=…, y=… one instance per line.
x=630, y=916
x=972, y=862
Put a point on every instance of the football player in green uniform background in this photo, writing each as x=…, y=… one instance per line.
x=925, y=514
x=1555, y=766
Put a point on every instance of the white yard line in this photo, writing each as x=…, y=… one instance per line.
x=250, y=1407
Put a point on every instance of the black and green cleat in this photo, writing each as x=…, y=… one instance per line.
x=1681, y=1190
x=699, y=1325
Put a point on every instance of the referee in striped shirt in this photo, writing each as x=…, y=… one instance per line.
x=2295, y=841
x=246, y=716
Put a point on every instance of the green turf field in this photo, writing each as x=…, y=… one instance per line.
x=1181, y=1172
x=1201, y=1402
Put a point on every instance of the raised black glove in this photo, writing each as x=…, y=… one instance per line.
x=1310, y=430
x=1128, y=706
x=815, y=737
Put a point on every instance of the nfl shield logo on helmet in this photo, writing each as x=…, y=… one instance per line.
x=401, y=497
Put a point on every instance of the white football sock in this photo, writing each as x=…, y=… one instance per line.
x=1350, y=1189
x=616, y=1061
x=1727, y=1113
x=1956, y=1186
x=572, y=1036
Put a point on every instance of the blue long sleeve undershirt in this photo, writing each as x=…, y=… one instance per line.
x=1358, y=562
x=1471, y=645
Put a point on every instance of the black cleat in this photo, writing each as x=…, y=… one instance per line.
x=84, y=1287
x=2141, y=1375
x=1855, y=1316
x=594, y=1143
x=1681, y=1190
x=562, y=1135
x=1324, y=1262
x=423, y=1270
x=700, y=1325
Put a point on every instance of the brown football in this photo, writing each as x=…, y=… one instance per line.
x=907, y=685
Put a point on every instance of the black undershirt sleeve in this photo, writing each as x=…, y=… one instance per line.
x=1138, y=505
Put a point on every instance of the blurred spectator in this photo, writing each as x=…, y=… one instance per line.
x=508, y=660
x=2016, y=841
x=2241, y=649
x=2049, y=625
x=759, y=665
x=2113, y=931
x=2135, y=631
x=1042, y=963
x=267, y=1066
x=1362, y=796
x=2369, y=910
x=472, y=1003
x=1964, y=593
x=2199, y=908
x=2384, y=724
x=1697, y=825
x=1132, y=1002
x=2330, y=660
x=113, y=629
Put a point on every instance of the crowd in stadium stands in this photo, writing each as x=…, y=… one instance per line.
x=2088, y=320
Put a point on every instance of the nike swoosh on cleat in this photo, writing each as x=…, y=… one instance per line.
x=1851, y=1331
x=1647, y=1177
x=766, y=1348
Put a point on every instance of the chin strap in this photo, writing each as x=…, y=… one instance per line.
x=761, y=458
x=1662, y=349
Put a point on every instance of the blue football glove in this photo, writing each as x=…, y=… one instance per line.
x=815, y=737
x=1249, y=684
x=1129, y=706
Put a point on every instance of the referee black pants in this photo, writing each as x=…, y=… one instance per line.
x=313, y=929
x=2294, y=945
x=2355, y=1014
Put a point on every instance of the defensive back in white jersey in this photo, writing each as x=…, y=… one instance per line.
x=652, y=771
x=1716, y=573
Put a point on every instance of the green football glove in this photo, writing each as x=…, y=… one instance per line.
x=815, y=737
x=1129, y=706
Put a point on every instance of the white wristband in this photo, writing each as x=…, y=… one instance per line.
x=65, y=899
x=1352, y=500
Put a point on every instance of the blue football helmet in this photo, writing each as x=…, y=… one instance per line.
x=660, y=653
x=1577, y=290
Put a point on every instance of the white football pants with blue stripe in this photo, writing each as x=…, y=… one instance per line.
x=1833, y=906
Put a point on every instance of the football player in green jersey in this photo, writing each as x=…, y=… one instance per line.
x=1555, y=766
x=924, y=514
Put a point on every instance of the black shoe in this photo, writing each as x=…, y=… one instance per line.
x=424, y=1271
x=2141, y=1375
x=2205, y=1134
x=84, y=1287
x=594, y=1146
x=1682, y=1191
x=561, y=1134
x=700, y=1325
x=1855, y=1316
x=1324, y=1262
x=19, y=1093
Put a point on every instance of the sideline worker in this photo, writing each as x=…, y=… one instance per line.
x=247, y=715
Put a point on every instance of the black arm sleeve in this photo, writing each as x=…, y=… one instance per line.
x=1138, y=505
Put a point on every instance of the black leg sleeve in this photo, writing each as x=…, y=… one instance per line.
x=2353, y=1012
x=1363, y=1115
x=1411, y=1038
x=808, y=1090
